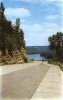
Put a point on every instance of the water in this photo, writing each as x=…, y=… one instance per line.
x=35, y=57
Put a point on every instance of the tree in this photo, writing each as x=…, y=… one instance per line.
x=56, y=43
x=11, y=37
x=19, y=35
x=2, y=35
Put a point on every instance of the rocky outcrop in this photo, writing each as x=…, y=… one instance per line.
x=17, y=57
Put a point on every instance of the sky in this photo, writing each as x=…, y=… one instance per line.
x=39, y=19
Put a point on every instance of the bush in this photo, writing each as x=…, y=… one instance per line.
x=54, y=59
x=25, y=59
x=5, y=63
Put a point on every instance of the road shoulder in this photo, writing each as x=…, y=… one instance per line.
x=51, y=87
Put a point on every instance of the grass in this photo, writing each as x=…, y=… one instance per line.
x=56, y=63
x=61, y=67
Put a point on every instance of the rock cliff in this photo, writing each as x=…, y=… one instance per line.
x=17, y=57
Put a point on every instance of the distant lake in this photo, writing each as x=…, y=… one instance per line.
x=35, y=57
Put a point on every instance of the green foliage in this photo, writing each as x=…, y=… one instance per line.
x=56, y=62
x=25, y=59
x=23, y=52
x=56, y=43
x=61, y=67
x=36, y=49
x=48, y=54
x=60, y=53
x=11, y=37
x=55, y=59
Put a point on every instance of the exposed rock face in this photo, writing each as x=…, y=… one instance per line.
x=17, y=57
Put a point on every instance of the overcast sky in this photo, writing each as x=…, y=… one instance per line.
x=39, y=18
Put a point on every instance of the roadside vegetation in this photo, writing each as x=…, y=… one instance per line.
x=49, y=54
x=56, y=43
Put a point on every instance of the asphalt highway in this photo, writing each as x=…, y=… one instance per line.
x=21, y=84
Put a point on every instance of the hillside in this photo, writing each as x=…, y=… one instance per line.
x=36, y=49
x=12, y=43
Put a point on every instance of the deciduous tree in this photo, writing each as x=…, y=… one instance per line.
x=56, y=43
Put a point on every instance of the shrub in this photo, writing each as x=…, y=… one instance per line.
x=25, y=59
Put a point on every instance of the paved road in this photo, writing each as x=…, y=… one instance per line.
x=21, y=84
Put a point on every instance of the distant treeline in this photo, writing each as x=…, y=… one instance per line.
x=44, y=51
x=36, y=49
